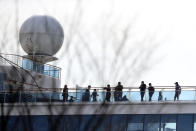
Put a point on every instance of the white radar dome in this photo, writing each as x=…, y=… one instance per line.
x=41, y=35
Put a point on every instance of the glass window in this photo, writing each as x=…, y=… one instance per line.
x=1, y=85
x=185, y=123
x=151, y=122
x=3, y=77
x=27, y=64
x=52, y=71
x=135, y=123
x=38, y=67
x=119, y=122
x=56, y=73
x=46, y=70
x=40, y=123
x=168, y=123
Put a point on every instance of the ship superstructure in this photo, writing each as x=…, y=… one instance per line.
x=31, y=97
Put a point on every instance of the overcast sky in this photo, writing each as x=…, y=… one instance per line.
x=170, y=26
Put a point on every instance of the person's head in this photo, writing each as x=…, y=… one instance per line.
x=142, y=82
x=94, y=89
x=119, y=83
x=65, y=86
x=150, y=84
x=108, y=85
x=89, y=86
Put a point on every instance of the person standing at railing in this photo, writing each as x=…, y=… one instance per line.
x=142, y=90
x=65, y=93
x=108, y=93
x=86, y=96
x=150, y=91
x=177, y=91
x=160, y=97
x=118, y=92
x=94, y=95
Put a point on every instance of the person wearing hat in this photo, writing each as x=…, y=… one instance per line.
x=177, y=91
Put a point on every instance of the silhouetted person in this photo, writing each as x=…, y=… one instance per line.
x=151, y=91
x=65, y=93
x=160, y=98
x=94, y=95
x=177, y=91
x=108, y=93
x=118, y=92
x=115, y=94
x=124, y=98
x=142, y=90
x=87, y=93
x=71, y=99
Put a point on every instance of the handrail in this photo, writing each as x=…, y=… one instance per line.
x=29, y=59
x=38, y=94
x=18, y=60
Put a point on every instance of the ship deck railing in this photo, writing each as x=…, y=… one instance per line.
x=27, y=64
x=38, y=94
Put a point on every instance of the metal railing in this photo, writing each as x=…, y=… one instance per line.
x=28, y=64
x=129, y=94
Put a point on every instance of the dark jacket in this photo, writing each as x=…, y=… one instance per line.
x=142, y=87
x=151, y=89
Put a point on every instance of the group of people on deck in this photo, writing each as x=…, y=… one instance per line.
x=118, y=94
x=160, y=97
